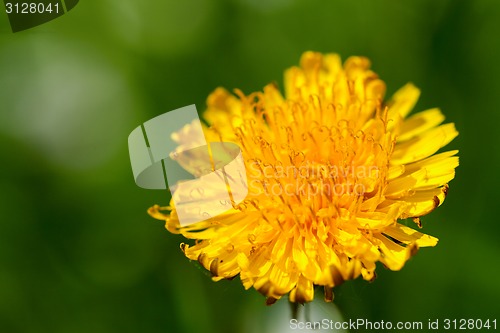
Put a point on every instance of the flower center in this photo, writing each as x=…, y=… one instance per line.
x=305, y=162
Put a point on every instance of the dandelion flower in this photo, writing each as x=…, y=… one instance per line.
x=332, y=171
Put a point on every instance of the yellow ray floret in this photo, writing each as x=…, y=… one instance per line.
x=331, y=171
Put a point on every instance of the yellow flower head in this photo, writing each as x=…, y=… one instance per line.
x=331, y=168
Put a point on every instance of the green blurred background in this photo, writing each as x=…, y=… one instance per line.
x=78, y=253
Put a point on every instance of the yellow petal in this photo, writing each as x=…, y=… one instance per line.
x=395, y=171
x=303, y=292
x=419, y=123
x=423, y=202
x=394, y=256
x=436, y=165
x=423, y=145
x=402, y=103
x=407, y=235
